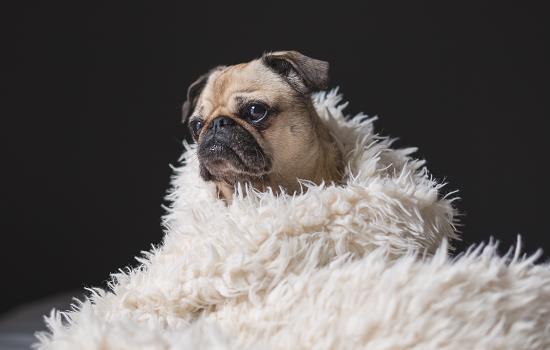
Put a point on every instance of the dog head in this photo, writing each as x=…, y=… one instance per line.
x=255, y=122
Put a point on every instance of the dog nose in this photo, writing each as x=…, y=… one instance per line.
x=221, y=122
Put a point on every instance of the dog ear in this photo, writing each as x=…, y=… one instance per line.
x=193, y=93
x=298, y=68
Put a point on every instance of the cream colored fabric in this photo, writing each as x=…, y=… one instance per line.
x=363, y=264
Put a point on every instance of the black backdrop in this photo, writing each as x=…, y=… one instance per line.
x=91, y=119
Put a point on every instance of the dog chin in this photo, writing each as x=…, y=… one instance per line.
x=223, y=171
x=220, y=162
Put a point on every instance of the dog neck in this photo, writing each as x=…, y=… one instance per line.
x=322, y=163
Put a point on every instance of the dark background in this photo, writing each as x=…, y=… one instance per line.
x=91, y=115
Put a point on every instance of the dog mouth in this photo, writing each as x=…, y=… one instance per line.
x=232, y=161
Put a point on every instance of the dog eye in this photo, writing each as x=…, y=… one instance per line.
x=195, y=125
x=256, y=112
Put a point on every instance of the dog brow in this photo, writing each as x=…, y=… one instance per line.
x=244, y=91
x=241, y=101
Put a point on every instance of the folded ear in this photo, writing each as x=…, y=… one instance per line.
x=299, y=69
x=193, y=93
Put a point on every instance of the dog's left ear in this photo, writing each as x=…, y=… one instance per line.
x=298, y=68
x=193, y=93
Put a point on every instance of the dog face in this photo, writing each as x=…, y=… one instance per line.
x=255, y=122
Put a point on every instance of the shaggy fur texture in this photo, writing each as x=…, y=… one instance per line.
x=363, y=264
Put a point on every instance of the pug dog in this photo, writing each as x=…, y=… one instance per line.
x=255, y=123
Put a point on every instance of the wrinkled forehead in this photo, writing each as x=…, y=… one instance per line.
x=252, y=80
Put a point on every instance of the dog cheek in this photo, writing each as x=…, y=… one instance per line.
x=205, y=174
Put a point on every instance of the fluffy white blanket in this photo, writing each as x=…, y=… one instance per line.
x=360, y=265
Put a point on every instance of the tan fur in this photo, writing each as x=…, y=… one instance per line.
x=298, y=143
